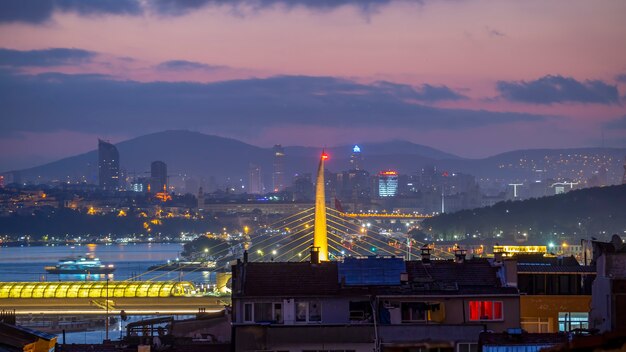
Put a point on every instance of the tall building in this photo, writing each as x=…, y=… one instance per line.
x=108, y=166
x=356, y=158
x=278, y=176
x=158, y=174
x=255, y=185
x=388, y=183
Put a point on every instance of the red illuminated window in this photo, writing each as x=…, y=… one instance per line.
x=485, y=310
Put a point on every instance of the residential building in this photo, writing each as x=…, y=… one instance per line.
x=608, y=306
x=555, y=292
x=364, y=304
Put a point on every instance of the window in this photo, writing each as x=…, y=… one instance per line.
x=536, y=325
x=308, y=311
x=247, y=312
x=263, y=312
x=466, y=347
x=413, y=311
x=569, y=321
x=485, y=310
x=360, y=310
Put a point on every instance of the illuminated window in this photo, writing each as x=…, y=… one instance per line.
x=413, y=311
x=569, y=321
x=485, y=310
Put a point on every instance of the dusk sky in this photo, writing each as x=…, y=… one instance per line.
x=469, y=77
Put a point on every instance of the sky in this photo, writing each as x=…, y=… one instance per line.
x=470, y=77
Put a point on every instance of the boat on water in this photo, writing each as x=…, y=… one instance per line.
x=80, y=265
x=183, y=266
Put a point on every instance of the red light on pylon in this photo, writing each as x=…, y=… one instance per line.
x=324, y=156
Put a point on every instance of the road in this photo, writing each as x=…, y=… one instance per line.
x=132, y=306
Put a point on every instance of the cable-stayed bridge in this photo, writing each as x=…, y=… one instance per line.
x=321, y=231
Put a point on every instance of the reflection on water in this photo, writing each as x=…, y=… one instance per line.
x=131, y=261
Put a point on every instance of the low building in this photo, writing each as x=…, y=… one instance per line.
x=555, y=292
x=608, y=306
x=18, y=338
x=361, y=304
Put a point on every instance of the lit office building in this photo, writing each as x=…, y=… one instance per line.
x=388, y=183
x=278, y=176
x=255, y=186
x=356, y=158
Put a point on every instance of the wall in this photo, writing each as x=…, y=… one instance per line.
x=549, y=306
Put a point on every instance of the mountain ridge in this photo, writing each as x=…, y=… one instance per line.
x=203, y=155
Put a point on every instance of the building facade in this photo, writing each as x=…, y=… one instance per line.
x=365, y=304
x=278, y=173
x=158, y=175
x=108, y=166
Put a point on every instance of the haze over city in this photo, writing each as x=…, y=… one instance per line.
x=473, y=78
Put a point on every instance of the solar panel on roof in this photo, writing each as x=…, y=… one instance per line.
x=371, y=271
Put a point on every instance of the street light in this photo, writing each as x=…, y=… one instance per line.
x=107, y=314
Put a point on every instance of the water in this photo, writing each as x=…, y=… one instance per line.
x=130, y=260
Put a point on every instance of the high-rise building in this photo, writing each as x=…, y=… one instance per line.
x=303, y=189
x=356, y=158
x=108, y=166
x=388, y=183
x=255, y=186
x=158, y=174
x=278, y=176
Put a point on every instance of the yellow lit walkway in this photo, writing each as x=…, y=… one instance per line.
x=94, y=289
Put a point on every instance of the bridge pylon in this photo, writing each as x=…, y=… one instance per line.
x=320, y=234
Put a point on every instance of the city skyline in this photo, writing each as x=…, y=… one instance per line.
x=470, y=78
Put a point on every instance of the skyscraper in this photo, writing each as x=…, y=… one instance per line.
x=158, y=175
x=108, y=166
x=387, y=183
x=254, y=180
x=278, y=176
x=356, y=158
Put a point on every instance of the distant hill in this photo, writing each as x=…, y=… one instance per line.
x=598, y=212
x=202, y=156
x=182, y=151
x=376, y=149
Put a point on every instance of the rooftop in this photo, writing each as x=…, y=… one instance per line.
x=475, y=276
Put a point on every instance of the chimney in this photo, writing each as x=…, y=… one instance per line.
x=459, y=255
x=425, y=254
x=315, y=255
x=497, y=257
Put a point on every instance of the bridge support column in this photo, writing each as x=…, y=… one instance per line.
x=320, y=239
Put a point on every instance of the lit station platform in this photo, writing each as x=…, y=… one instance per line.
x=134, y=297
